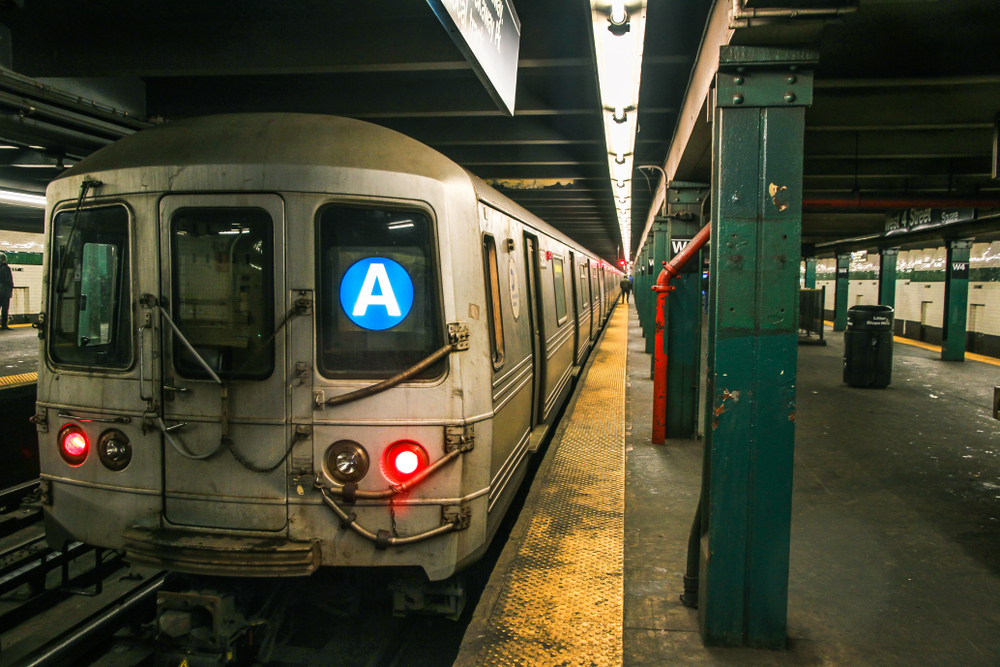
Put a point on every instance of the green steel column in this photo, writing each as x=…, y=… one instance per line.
x=636, y=282
x=810, y=273
x=647, y=250
x=757, y=144
x=887, y=277
x=658, y=253
x=956, y=300
x=841, y=293
x=683, y=331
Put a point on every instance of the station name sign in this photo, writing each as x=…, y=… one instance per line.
x=488, y=33
x=915, y=219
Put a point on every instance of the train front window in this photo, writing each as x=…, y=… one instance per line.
x=223, y=294
x=377, y=293
x=89, y=313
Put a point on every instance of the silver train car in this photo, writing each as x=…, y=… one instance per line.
x=279, y=342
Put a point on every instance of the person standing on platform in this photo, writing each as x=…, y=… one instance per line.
x=626, y=286
x=6, y=290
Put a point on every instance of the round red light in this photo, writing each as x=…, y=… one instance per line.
x=73, y=444
x=404, y=459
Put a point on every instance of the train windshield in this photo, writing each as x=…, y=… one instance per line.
x=377, y=293
x=89, y=313
x=223, y=295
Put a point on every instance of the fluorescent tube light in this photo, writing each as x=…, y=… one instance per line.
x=619, y=64
x=22, y=199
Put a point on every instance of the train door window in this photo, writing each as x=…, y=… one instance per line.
x=378, y=296
x=560, y=287
x=223, y=292
x=91, y=318
x=584, y=292
x=493, y=300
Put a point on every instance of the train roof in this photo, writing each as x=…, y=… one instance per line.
x=294, y=139
x=271, y=138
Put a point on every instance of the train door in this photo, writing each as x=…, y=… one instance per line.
x=223, y=361
x=602, y=285
x=575, y=294
x=532, y=270
x=585, y=301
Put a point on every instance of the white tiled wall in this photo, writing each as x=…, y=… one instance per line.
x=27, y=298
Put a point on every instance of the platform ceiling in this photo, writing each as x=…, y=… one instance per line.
x=905, y=96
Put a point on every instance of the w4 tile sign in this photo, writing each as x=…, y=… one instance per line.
x=677, y=244
x=488, y=33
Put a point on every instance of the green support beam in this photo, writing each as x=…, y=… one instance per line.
x=647, y=280
x=658, y=253
x=842, y=292
x=637, y=276
x=682, y=336
x=758, y=127
x=887, y=277
x=810, y=282
x=956, y=300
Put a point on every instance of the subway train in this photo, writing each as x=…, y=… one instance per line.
x=278, y=342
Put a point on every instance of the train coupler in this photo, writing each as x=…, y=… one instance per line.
x=199, y=629
x=440, y=598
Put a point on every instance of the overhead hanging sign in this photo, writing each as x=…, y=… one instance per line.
x=914, y=219
x=488, y=33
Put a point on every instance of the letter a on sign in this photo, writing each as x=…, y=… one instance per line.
x=376, y=293
x=367, y=297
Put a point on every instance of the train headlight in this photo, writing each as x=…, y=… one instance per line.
x=115, y=450
x=73, y=445
x=404, y=459
x=346, y=461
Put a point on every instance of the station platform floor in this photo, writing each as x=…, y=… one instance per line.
x=895, y=550
x=18, y=355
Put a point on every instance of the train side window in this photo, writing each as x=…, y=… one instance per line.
x=223, y=291
x=560, y=287
x=90, y=318
x=494, y=301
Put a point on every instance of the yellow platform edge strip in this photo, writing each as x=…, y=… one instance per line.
x=561, y=602
x=971, y=356
x=23, y=378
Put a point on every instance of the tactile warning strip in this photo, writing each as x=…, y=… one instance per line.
x=23, y=378
x=561, y=600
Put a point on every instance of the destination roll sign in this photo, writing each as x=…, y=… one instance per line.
x=488, y=33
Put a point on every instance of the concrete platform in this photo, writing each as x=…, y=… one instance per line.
x=555, y=595
x=18, y=350
x=895, y=554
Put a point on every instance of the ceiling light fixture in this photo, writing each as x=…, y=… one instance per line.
x=618, y=49
x=22, y=199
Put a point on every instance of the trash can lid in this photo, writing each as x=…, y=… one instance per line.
x=871, y=309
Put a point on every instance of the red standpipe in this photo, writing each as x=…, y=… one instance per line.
x=662, y=286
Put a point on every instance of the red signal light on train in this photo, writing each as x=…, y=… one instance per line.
x=404, y=459
x=73, y=444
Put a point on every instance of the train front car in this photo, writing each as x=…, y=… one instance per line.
x=222, y=295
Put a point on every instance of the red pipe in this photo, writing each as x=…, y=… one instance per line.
x=860, y=203
x=662, y=286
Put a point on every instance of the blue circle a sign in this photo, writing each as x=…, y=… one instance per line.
x=376, y=293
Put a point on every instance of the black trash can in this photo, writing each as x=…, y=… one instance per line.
x=868, y=346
